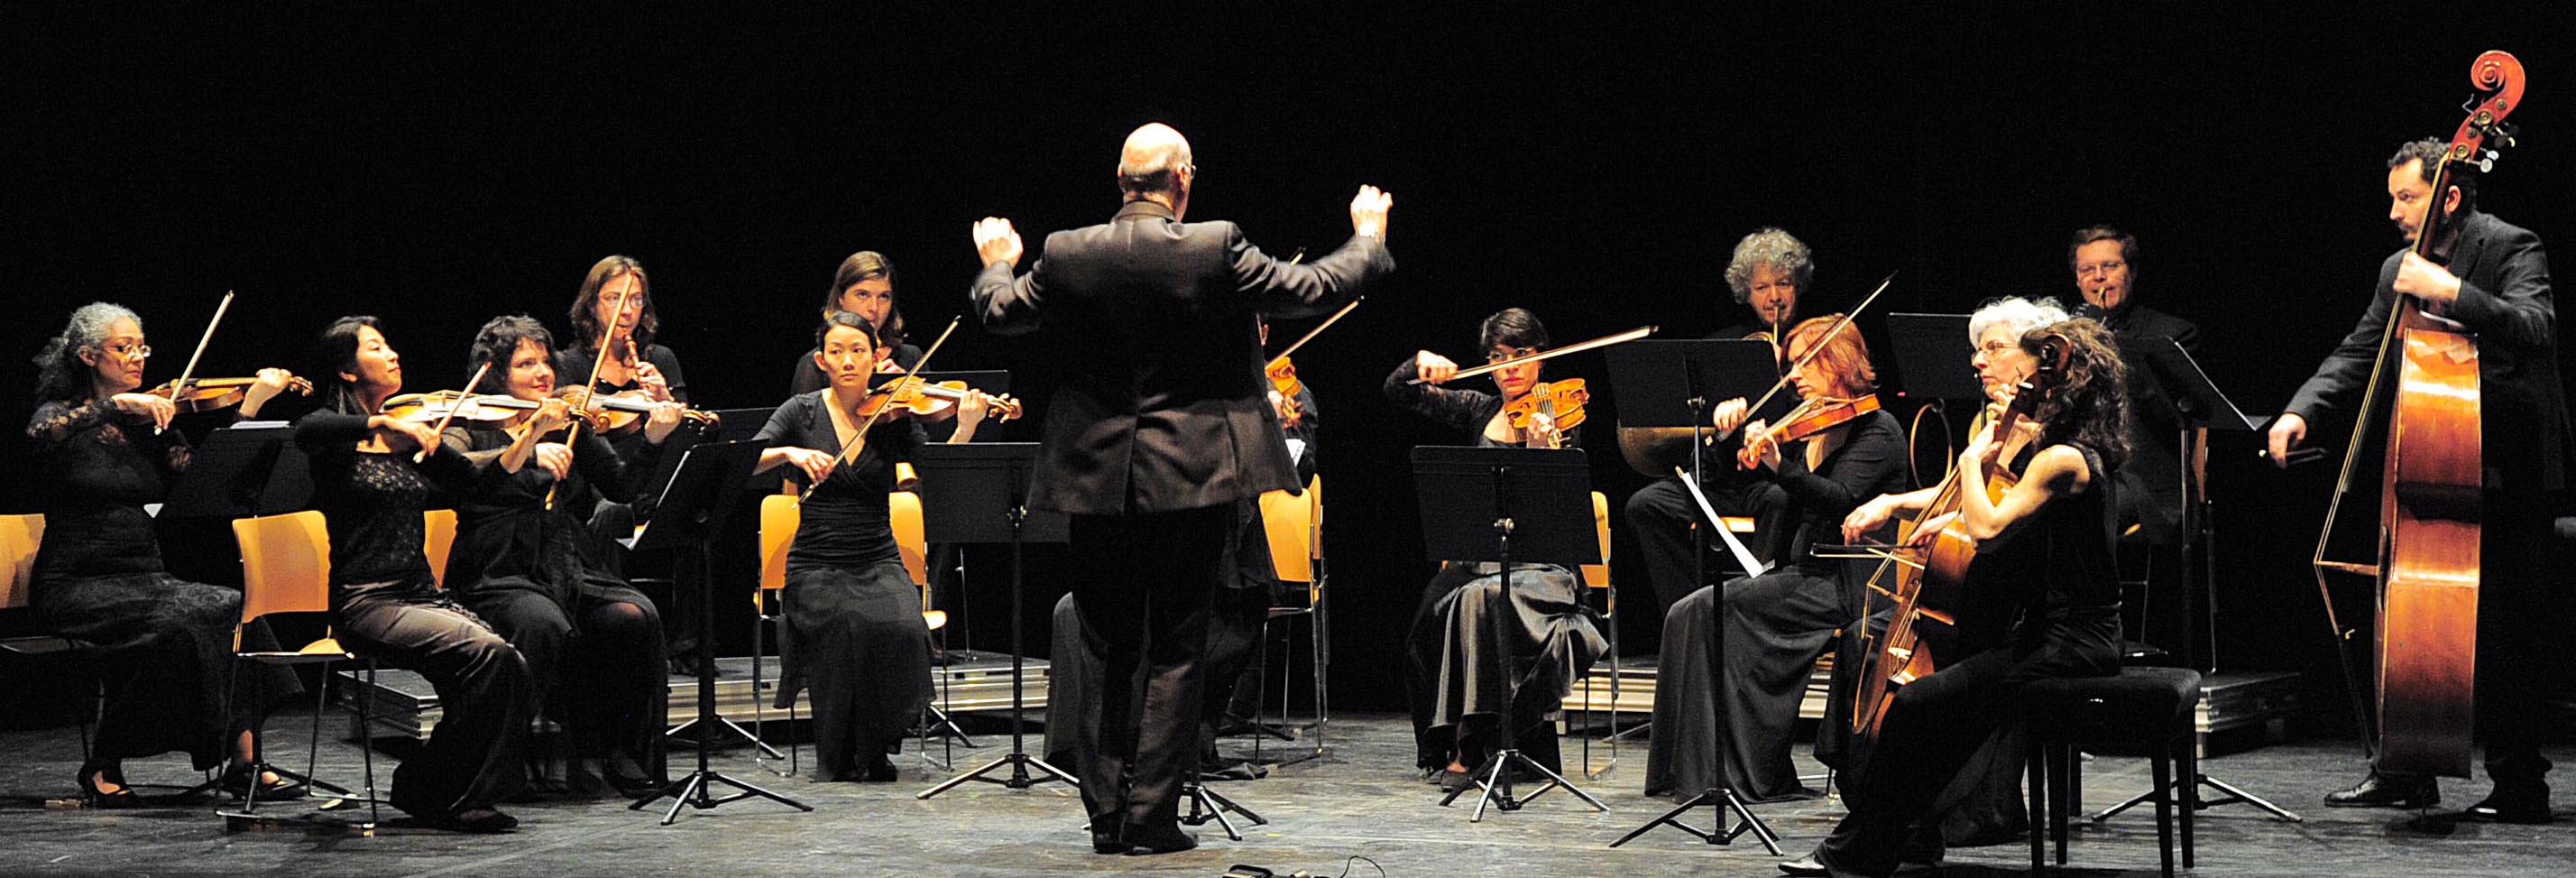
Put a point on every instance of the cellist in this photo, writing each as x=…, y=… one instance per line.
x=2057, y=523
x=2496, y=284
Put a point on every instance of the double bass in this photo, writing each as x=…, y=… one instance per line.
x=2426, y=563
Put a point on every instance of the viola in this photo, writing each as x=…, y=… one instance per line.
x=1808, y=419
x=1561, y=401
x=918, y=398
x=209, y=394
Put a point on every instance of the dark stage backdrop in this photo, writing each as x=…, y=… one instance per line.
x=438, y=169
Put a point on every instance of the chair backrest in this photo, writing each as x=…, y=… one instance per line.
x=1315, y=515
x=778, y=517
x=286, y=563
x=1598, y=575
x=20, y=535
x=1288, y=521
x=438, y=536
x=909, y=538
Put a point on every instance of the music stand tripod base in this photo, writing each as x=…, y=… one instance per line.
x=693, y=507
x=1207, y=804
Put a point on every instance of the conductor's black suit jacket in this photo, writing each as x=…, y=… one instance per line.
x=2505, y=298
x=1159, y=402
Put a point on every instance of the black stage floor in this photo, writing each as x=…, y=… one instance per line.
x=1361, y=801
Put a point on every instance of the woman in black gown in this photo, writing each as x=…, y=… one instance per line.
x=1456, y=682
x=593, y=644
x=1777, y=623
x=853, y=631
x=2056, y=526
x=102, y=452
x=384, y=599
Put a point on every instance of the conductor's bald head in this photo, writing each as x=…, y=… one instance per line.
x=1155, y=165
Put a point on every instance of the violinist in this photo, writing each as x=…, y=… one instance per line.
x=1770, y=272
x=592, y=643
x=384, y=599
x=852, y=631
x=1779, y=622
x=862, y=285
x=2496, y=283
x=2054, y=527
x=101, y=456
x=1451, y=651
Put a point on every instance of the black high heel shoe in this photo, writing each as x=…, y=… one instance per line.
x=93, y=772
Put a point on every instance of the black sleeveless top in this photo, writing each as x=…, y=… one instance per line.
x=2059, y=566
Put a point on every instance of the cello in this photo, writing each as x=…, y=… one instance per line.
x=1927, y=592
x=2427, y=560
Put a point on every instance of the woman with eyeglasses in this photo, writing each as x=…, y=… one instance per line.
x=1456, y=681
x=103, y=452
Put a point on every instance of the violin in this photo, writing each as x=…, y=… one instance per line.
x=1562, y=401
x=624, y=411
x=918, y=398
x=209, y=394
x=444, y=405
x=1808, y=419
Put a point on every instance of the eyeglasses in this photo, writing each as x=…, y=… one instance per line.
x=130, y=350
x=2102, y=268
x=1996, y=348
x=1497, y=356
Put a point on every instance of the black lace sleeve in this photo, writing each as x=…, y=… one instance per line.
x=57, y=422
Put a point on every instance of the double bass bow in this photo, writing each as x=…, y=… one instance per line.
x=2431, y=478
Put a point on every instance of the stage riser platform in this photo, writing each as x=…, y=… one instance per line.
x=404, y=705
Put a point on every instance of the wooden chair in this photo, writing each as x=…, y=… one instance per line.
x=438, y=538
x=1597, y=578
x=779, y=517
x=286, y=568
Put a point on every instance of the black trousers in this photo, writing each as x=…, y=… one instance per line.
x=1144, y=598
x=1662, y=513
x=597, y=664
x=473, y=758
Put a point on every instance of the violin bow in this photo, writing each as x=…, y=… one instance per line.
x=859, y=437
x=1812, y=351
x=1577, y=347
x=462, y=400
x=590, y=387
x=1318, y=330
x=181, y=385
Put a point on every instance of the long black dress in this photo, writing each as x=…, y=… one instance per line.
x=2068, y=595
x=166, y=643
x=593, y=644
x=1777, y=624
x=1454, y=664
x=389, y=606
x=853, y=631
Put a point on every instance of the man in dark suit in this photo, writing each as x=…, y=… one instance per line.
x=2105, y=262
x=2497, y=284
x=1158, y=426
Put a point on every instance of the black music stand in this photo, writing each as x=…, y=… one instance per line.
x=978, y=493
x=240, y=471
x=1540, y=509
x=1934, y=357
x=1652, y=388
x=692, y=508
x=2200, y=407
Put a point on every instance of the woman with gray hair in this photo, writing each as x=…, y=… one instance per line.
x=103, y=452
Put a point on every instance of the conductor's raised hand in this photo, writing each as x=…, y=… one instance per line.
x=996, y=241
x=1368, y=212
